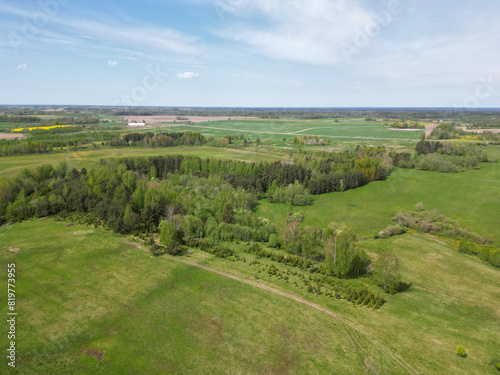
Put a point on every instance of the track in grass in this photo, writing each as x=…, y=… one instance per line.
x=276, y=129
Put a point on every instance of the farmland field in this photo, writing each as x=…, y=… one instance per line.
x=352, y=129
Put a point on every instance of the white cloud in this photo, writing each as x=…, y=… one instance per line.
x=311, y=31
x=107, y=34
x=187, y=75
x=22, y=66
x=112, y=63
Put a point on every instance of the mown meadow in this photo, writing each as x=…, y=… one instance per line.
x=91, y=301
x=472, y=198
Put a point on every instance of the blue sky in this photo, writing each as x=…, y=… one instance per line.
x=251, y=53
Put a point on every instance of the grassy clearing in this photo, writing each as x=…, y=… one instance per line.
x=472, y=198
x=448, y=305
x=455, y=301
x=12, y=165
x=91, y=303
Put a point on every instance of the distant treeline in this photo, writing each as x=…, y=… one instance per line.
x=19, y=119
x=40, y=121
x=160, y=139
x=43, y=141
x=343, y=171
x=473, y=117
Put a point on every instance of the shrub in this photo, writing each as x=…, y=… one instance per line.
x=392, y=230
x=461, y=351
x=158, y=250
x=274, y=241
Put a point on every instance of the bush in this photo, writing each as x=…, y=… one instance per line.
x=274, y=241
x=158, y=250
x=461, y=351
x=392, y=230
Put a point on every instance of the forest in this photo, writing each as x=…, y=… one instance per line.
x=189, y=199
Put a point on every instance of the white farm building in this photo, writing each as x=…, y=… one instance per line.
x=135, y=124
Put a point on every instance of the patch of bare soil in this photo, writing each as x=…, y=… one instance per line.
x=13, y=249
x=134, y=244
x=89, y=352
x=480, y=131
x=194, y=119
x=429, y=128
x=9, y=136
x=82, y=232
x=209, y=330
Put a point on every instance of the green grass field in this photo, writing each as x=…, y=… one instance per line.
x=12, y=165
x=345, y=130
x=472, y=198
x=89, y=302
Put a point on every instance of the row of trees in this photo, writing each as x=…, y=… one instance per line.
x=162, y=139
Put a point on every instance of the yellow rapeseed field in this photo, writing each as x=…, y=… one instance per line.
x=41, y=127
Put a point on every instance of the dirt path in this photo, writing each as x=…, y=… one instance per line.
x=370, y=365
x=429, y=127
x=344, y=323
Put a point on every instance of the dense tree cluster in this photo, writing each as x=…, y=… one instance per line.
x=182, y=197
x=440, y=157
x=445, y=131
x=16, y=119
x=162, y=139
x=43, y=141
x=294, y=194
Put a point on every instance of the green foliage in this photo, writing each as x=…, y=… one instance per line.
x=434, y=223
x=386, y=272
x=342, y=257
x=169, y=236
x=461, y=352
x=274, y=241
x=295, y=194
x=391, y=230
x=228, y=214
x=209, y=247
